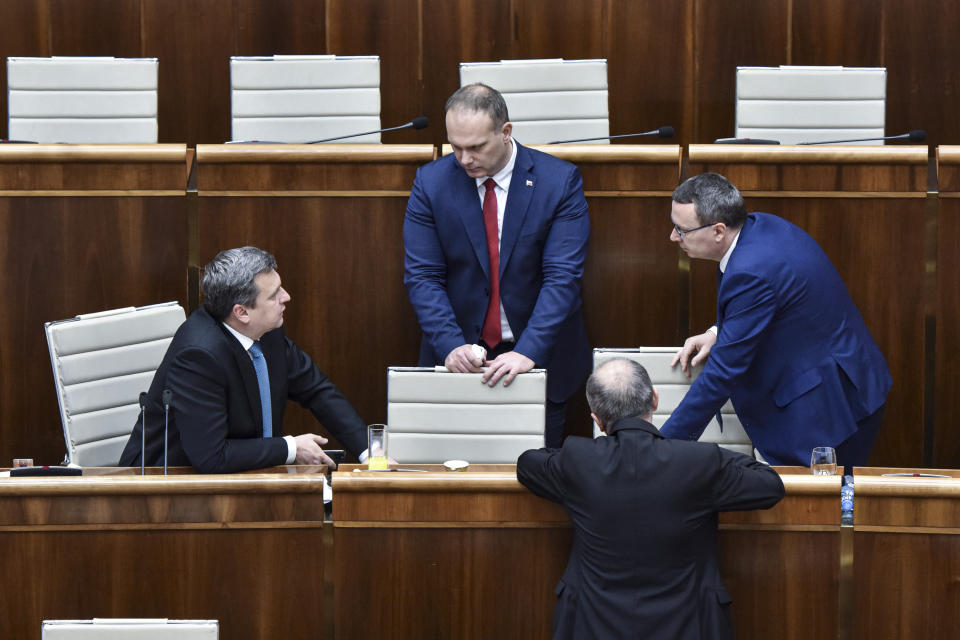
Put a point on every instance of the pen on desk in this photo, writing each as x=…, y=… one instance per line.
x=915, y=475
x=382, y=470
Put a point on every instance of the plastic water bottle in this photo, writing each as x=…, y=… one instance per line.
x=846, y=501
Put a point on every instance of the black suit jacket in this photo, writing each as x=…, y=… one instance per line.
x=216, y=422
x=644, y=512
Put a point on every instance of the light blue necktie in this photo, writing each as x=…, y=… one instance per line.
x=263, y=381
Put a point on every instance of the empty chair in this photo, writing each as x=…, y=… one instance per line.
x=101, y=363
x=810, y=104
x=304, y=98
x=672, y=385
x=548, y=100
x=435, y=416
x=82, y=100
x=130, y=629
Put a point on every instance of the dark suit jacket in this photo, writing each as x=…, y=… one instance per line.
x=793, y=353
x=543, y=246
x=644, y=511
x=216, y=422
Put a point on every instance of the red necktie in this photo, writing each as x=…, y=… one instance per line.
x=491, y=323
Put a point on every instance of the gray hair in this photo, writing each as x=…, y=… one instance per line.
x=482, y=98
x=228, y=279
x=620, y=388
x=714, y=199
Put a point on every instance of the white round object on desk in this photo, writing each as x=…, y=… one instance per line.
x=456, y=465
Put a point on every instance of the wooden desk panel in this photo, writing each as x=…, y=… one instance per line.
x=946, y=427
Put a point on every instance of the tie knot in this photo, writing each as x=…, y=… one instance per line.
x=489, y=183
x=255, y=350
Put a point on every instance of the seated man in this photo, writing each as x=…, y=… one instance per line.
x=644, y=512
x=230, y=370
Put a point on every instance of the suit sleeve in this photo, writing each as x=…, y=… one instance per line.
x=200, y=399
x=744, y=483
x=539, y=471
x=564, y=254
x=750, y=308
x=425, y=274
x=310, y=387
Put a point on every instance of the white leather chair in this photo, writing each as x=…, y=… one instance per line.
x=672, y=385
x=304, y=98
x=82, y=100
x=130, y=629
x=548, y=100
x=101, y=363
x=434, y=415
x=809, y=104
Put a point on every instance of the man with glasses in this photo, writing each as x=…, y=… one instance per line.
x=790, y=348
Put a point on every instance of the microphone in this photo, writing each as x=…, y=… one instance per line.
x=420, y=122
x=662, y=132
x=917, y=135
x=166, y=395
x=143, y=432
x=745, y=141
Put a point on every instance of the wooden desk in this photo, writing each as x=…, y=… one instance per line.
x=475, y=555
x=946, y=427
x=906, y=554
x=244, y=549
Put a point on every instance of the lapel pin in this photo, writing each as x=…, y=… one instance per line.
x=529, y=183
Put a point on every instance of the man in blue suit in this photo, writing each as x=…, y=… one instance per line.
x=790, y=348
x=495, y=237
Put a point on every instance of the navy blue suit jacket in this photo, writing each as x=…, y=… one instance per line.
x=643, y=563
x=793, y=353
x=543, y=247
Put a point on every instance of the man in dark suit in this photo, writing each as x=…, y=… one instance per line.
x=495, y=238
x=790, y=348
x=644, y=511
x=231, y=370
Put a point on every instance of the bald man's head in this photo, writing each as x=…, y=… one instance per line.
x=618, y=389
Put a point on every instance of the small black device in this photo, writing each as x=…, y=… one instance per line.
x=337, y=455
x=46, y=470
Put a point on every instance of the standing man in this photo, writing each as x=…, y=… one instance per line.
x=495, y=238
x=789, y=348
x=644, y=509
x=231, y=370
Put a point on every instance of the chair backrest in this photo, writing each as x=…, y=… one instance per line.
x=304, y=98
x=82, y=100
x=810, y=104
x=130, y=629
x=434, y=415
x=101, y=363
x=548, y=100
x=672, y=385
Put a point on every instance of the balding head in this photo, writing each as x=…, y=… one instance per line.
x=618, y=389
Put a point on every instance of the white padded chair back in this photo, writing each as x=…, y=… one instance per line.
x=82, y=100
x=434, y=415
x=548, y=100
x=101, y=363
x=130, y=629
x=304, y=98
x=672, y=385
x=811, y=104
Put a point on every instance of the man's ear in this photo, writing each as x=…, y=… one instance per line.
x=506, y=130
x=720, y=231
x=599, y=422
x=656, y=400
x=239, y=312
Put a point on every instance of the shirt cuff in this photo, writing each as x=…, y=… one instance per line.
x=713, y=330
x=363, y=455
x=291, y=449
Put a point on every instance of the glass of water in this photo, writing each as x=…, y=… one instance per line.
x=823, y=461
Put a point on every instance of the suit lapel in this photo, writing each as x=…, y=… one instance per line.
x=249, y=376
x=522, y=184
x=466, y=203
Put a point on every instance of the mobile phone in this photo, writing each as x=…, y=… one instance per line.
x=337, y=455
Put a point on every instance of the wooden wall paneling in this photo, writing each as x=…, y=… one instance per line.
x=394, y=31
x=922, y=92
x=846, y=34
x=194, y=40
x=454, y=32
x=650, y=67
x=95, y=28
x=728, y=35
x=568, y=29
x=26, y=33
x=279, y=27
x=946, y=435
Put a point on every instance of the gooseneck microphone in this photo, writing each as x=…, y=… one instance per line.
x=143, y=432
x=420, y=122
x=917, y=135
x=167, y=395
x=745, y=141
x=662, y=132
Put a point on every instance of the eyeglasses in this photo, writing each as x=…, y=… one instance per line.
x=683, y=232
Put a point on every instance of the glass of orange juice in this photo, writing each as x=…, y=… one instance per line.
x=377, y=447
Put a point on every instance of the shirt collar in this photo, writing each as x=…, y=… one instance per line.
x=502, y=177
x=726, y=257
x=245, y=341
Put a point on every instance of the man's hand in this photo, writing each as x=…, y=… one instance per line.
x=309, y=451
x=696, y=346
x=507, y=364
x=464, y=359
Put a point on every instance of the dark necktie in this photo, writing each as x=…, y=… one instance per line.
x=491, y=332
x=263, y=381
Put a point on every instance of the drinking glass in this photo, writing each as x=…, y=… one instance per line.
x=823, y=461
x=377, y=447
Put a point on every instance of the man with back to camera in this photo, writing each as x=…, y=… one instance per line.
x=227, y=408
x=644, y=509
x=495, y=238
x=790, y=348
